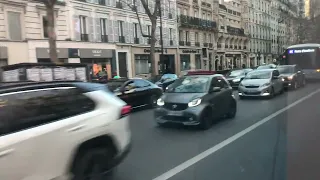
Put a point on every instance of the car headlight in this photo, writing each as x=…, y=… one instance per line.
x=265, y=85
x=290, y=77
x=236, y=80
x=160, y=102
x=194, y=102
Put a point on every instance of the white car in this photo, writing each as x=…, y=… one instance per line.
x=61, y=130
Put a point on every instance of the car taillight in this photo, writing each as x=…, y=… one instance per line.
x=125, y=111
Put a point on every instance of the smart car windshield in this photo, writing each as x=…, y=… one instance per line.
x=259, y=75
x=190, y=84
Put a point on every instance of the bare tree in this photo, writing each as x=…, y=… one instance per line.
x=51, y=29
x=152, y=13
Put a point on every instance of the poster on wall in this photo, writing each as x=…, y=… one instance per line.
x=46, y=74
x=59, y=73
x=81, y=74
x=33, y=74
x=70, y=74
x=10, y=76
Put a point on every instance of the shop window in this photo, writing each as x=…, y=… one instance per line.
x=184, y=62
x=100, y=68
x=198, y=61
x=142, y=64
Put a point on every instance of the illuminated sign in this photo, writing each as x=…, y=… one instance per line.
x=297, y=51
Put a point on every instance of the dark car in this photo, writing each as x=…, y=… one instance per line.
x=166, y=80
x=135, y=92
x=235, y=77
x=196, y=101
x=292, y=75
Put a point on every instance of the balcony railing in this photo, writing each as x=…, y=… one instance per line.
x=85, y=37
x=226, y=46
x=122, y=39
x=119, y=5
x=104, y=38
x=219, y=45
x=235, y=31
x=102, y=2
x=205, y=44
x=210, y=45
x=181, y=43
x=136, y=40
x=197, y=44
x=188, y=43
x=193, y=22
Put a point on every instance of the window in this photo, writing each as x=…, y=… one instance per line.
x=197, y=37
x=45, y=26
x=83, y=25
x=195, y=13
x=14, y=26
x=135, y=30
x=28, y=109
x=210, y=38
x=204, y=37
x=141, y=83
x=181, y=35
x=170, y=34
x=142, y=64
x=120, y=28
x=149, y=30
x=187, y=36
x=103, y=26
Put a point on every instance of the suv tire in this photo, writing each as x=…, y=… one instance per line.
x=93, y=163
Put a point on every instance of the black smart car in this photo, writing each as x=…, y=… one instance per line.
x=196, y=100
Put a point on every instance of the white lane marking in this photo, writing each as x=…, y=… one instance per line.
x=224, y=143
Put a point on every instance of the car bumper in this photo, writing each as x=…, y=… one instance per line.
x=188, y=117
x=254, y=92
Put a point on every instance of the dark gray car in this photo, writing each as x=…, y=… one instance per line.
x=235, y=77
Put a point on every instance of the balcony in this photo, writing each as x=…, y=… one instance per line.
x=219, y=46
x=195, y=1
x=171, y=43
x=104, y=38
x=210, y=45
x=235, y=31
x=188, y=43
x=193, y=22
x=197, y=44
x=136, y=41
x=119, y=5
x=235, y=47
x=85, y=37
x=205, y=4
x=102, y=2
x=226, y=46
x=205, y=44
x=181, y=43
x=122, y=39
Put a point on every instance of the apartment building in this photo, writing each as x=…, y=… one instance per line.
x=232, y=41
x=197, y=21
x=23, y=27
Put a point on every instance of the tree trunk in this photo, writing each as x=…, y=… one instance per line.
x=52, y=34
x=152, y=45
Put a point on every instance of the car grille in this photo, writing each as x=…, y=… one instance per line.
x=175, y=106
x=251, y=86
x=252, y=93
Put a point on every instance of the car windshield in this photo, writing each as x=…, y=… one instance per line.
x=259, y=75
x=195, y=84
x=236, y=73
x=285, y=69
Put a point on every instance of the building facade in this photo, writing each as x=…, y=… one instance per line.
x=233, y=39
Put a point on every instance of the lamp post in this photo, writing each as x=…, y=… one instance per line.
x=161, y=40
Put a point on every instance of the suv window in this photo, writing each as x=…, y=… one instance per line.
x=27, y=109
x=141, y=83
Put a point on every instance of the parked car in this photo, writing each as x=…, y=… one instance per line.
x=71, y=126
x=196, y=100
x=136, y=92
x=262, y=83
x=236, y=76
x=166, y=80
x=292, y=75
x=267, y=66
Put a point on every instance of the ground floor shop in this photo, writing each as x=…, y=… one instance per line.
x=257, y=59
x=228, y=60
x=190, y=59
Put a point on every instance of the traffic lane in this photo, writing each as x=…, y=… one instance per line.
x=303, y=140
x=286, y=147
x=250, y=157
x=155, y=150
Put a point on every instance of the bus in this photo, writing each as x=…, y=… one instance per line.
x=306, y=56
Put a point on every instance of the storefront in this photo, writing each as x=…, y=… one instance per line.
x=3, y=56
x=43, y=55
x=190, y=59
x=101, y=61
x=142, y=62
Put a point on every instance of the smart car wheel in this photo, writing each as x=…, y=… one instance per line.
x=206, y=120
x=232, y=110
x=93, y=164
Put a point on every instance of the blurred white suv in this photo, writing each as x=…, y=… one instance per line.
x=61, y=130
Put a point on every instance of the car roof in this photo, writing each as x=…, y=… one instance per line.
x=206, y=75
x=291, y=65
x=7, y=87
x=260, y=70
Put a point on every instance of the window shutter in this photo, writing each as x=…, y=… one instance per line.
x=110, y=31
x=77, y=29
x=98, y=30
x=116, y=31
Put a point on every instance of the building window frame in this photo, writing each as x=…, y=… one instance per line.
x=22, y=22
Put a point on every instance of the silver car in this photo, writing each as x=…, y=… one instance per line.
x=265, y=83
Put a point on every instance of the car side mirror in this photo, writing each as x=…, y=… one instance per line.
x=215, y=89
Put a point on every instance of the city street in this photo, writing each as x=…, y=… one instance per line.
x=284, y=127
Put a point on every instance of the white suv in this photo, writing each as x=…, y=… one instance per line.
x=61, y=130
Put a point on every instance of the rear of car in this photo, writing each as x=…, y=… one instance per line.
x=293, y=77
x=64, y=124
x=236, y=76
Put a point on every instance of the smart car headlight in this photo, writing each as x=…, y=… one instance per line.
x=194, y=102
x=160, y=102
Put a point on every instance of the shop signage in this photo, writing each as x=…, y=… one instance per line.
x=95, y=53
x=197, y=51
x=44, y=53
x=156, y=50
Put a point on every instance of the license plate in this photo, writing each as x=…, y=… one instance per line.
x=174, y=113
x=251, y=91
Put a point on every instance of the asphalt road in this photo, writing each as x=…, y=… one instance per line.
x=290, y=135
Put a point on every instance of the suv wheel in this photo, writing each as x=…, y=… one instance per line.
x=93, y=164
